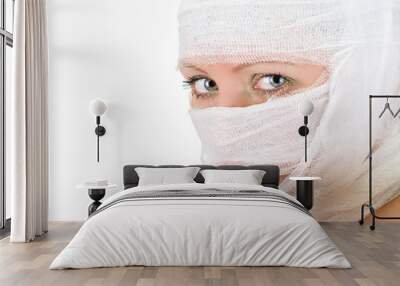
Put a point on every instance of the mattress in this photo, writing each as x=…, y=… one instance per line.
x=201, y=225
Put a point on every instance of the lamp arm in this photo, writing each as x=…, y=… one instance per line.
x=305, y=148
x=98, y=147
x=305, y=138
x=99, y=131
x=98, y=138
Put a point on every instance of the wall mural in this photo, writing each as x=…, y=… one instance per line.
x=249, y=63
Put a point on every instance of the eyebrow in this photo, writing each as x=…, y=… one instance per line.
x=189, y=66
x=240, y=66
x=243, y=66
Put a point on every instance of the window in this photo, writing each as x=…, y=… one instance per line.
x=6, y=44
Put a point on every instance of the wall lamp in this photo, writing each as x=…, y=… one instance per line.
x=97, y=107
x=305, y=108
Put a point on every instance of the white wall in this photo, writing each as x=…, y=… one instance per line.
x=124, y=52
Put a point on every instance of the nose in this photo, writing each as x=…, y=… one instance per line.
x=233, y=95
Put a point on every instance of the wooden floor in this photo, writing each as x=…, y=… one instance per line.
x=375, y=257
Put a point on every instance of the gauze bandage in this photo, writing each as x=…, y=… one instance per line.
x=259, y=133
x=359, y=43
x=249, y=31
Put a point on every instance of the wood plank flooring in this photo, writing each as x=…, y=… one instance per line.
x=375, y=257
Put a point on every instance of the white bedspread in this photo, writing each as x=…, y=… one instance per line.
x=200, y=231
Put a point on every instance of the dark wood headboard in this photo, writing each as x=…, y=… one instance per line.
x=270, y=179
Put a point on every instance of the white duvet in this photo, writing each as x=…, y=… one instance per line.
x=194, y=231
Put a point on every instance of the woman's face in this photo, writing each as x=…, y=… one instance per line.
x=233, y=85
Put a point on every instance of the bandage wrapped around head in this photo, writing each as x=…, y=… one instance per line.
x=359, y=43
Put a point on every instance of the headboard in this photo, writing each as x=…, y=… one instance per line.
x=270, y=179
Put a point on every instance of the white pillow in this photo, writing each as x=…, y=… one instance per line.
x=163, y=176
x=248, y=177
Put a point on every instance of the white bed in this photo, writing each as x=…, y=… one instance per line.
x=202, y=231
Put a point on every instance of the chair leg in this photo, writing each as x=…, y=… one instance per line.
x=361, y=221
x=372, y=210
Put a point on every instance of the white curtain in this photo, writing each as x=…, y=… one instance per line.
x=28, y=157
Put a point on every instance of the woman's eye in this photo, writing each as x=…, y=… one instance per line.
x=271, y=82
x=204, y=85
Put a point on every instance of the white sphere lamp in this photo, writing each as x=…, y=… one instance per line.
x=97, y=107
x=306, y=107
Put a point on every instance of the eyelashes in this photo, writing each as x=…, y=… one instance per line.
x=201, y=86
x=271, y=82
x=188, y=83
x=268, y=84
